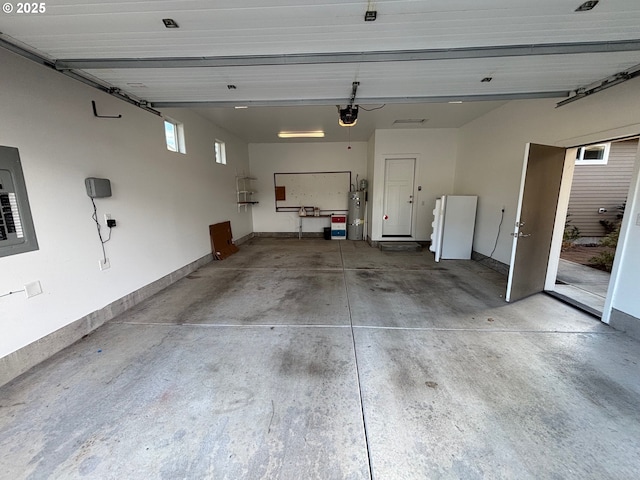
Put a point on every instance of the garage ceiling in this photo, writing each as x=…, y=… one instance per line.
x=292, y=62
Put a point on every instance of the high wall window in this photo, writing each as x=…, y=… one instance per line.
x=221, y=153
x=593, y=154
x=174, y=135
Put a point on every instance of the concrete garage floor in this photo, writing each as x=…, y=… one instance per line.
x=314, y=359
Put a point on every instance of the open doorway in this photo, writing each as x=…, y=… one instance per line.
x=595, y=207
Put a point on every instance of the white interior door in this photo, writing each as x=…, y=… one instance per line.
x=398, y=197
x=535, y=220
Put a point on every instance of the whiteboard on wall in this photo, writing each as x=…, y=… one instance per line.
x=327, y=191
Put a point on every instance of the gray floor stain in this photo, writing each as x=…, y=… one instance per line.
x=250, y=368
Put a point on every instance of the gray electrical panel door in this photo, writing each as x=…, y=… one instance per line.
x=17, y=234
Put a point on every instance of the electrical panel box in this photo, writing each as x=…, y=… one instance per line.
x=17, y=233
x=98, y=187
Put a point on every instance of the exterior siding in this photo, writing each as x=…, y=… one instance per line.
x=601, y=186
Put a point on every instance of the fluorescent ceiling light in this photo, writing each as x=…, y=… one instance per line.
x=240, y=107
x=456, y=102
x=314, y=134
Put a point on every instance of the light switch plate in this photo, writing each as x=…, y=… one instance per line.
x=32, y=289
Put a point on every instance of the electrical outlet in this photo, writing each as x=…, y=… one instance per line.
x=104, y=264
x=107, y=217
x=32, y=289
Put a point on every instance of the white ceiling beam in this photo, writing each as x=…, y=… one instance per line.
x=352, y=57
x=365, y=101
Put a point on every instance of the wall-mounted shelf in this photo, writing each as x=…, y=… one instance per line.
x=244, y=191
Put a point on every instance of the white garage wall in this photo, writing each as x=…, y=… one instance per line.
x=371, y=178
x=269, y=158
x=491, y=151
x=627, y=263
x=435, y=152
x=163, y=201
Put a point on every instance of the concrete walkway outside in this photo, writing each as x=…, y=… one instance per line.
x=313, y=359
x=585, y=286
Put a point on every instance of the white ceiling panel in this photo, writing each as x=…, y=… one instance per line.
x=384, y=80
x=285, y=52
x=91, y=29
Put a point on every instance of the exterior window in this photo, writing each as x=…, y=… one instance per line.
x=593, y=154
x=174, y=135
x=221, y=153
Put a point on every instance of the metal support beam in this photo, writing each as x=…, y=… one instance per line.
x=600, y=85
x=80, y=76
x=365, y=101
x=353, y=57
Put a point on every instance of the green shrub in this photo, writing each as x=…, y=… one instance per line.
x=571, y=234
x=604, y=260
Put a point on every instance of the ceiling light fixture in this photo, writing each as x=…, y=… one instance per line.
x=586, y=6
x=370, y=16
x=240, y=107
x=312, y=134
x=170, y=23
x=457, y=102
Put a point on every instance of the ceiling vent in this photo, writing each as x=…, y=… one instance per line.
x=410, y=121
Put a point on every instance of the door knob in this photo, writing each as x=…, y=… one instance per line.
x=520, y=235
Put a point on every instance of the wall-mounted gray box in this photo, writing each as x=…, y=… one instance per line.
x=98, y=187
x=17, y=233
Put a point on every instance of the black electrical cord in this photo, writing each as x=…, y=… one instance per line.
x=11, y=293
x=372, y=109
x=497, y=235
x=95, y=219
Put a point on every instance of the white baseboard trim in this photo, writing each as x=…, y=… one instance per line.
x=18, y=362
